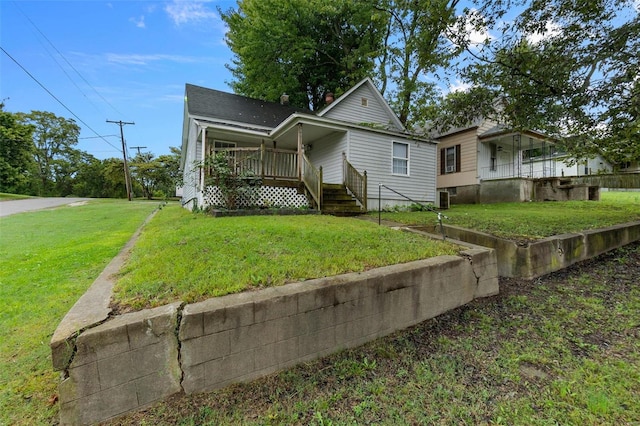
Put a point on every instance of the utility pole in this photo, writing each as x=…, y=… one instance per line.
x=127, y=176
x=138, y=148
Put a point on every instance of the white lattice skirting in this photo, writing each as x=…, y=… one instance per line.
x=263, y=196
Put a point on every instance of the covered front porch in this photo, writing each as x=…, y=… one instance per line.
x=517, y=155
x=280, y=168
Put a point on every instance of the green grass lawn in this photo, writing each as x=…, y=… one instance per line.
x=4, y=196
x=533, y=220
x=49, y=258
x=47, y=261
x=182, y=256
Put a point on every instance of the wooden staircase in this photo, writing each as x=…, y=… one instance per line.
x=337, y=201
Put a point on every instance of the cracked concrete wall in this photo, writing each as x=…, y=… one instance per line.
x=549, y=254
x=121, y=365
x=241, y=337
x=135, y=359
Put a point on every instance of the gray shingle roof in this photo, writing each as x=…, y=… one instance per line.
x=223, y=106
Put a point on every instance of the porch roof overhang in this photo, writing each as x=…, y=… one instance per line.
x=499, y=132
x=315, y=127
x=286, y=133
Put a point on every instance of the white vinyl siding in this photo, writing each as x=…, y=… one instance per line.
x=351, y=109
x=327, y=153
x=400, y=159
x=371, y=152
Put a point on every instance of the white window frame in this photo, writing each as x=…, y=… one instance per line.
x=450, y=168
x=406, y=159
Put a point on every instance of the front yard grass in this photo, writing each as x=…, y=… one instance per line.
x=187, y=257
x=535, y=220
x=48, y=259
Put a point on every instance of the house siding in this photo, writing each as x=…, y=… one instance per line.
x=373, y=152
x=190, y=176
x=327, y=154
x=351, y=109
x=468, y=174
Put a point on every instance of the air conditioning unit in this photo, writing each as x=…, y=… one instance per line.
x=442, y=200
x=451, y=169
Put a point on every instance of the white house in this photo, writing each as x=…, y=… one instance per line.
x=354, y=145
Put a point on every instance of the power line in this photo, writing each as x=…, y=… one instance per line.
x=54, y=97
x=68, y=63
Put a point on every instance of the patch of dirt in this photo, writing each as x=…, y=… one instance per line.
x=78, y=203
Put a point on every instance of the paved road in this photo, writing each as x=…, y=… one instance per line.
x=30, y=204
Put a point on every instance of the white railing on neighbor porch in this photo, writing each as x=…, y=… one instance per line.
x=513, y=170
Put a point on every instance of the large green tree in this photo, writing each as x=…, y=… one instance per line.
x=416, y=45
x=16, y=153
x=304, y=48
x=54, y=139
x=567, y=68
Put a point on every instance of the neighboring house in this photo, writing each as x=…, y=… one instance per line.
x=355, y=143
x=486, y=151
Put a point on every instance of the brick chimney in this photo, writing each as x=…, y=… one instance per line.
x=328, y=98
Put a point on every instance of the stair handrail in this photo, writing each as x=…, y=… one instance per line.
x=426, y=207
x=355, y=181
x=312, y=179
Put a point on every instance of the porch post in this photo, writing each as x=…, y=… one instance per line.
x=262, y=151
x=202, y=169
x=299, y=152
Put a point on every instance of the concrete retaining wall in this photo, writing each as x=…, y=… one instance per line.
x=135, y=359
x=549, y=254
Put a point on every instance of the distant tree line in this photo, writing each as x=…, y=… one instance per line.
x=38, y=156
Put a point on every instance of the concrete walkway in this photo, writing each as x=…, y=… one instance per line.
x=10, y=207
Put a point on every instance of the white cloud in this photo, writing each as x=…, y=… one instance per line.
x=474, y=31
x=551, y=29
x=459, y=86
x=138, y=59
x=183, y=12
x=138, y=22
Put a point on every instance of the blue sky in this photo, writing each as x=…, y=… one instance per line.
x=115, y=60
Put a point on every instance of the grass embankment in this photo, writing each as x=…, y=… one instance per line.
x=530, y=221
x=5, y=196
x=47, y=261
x=563, y=349
x=181, y=256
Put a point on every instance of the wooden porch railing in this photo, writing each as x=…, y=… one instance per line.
x=312, y=179
x=281, y=164
x=265, y=162
x=354, y=181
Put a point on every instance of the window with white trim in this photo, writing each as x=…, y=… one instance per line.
x=400, y=158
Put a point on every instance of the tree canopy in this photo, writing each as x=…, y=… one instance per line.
x=16, y=153
x=569, y=69
x=566, y=68
x=304, y=48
